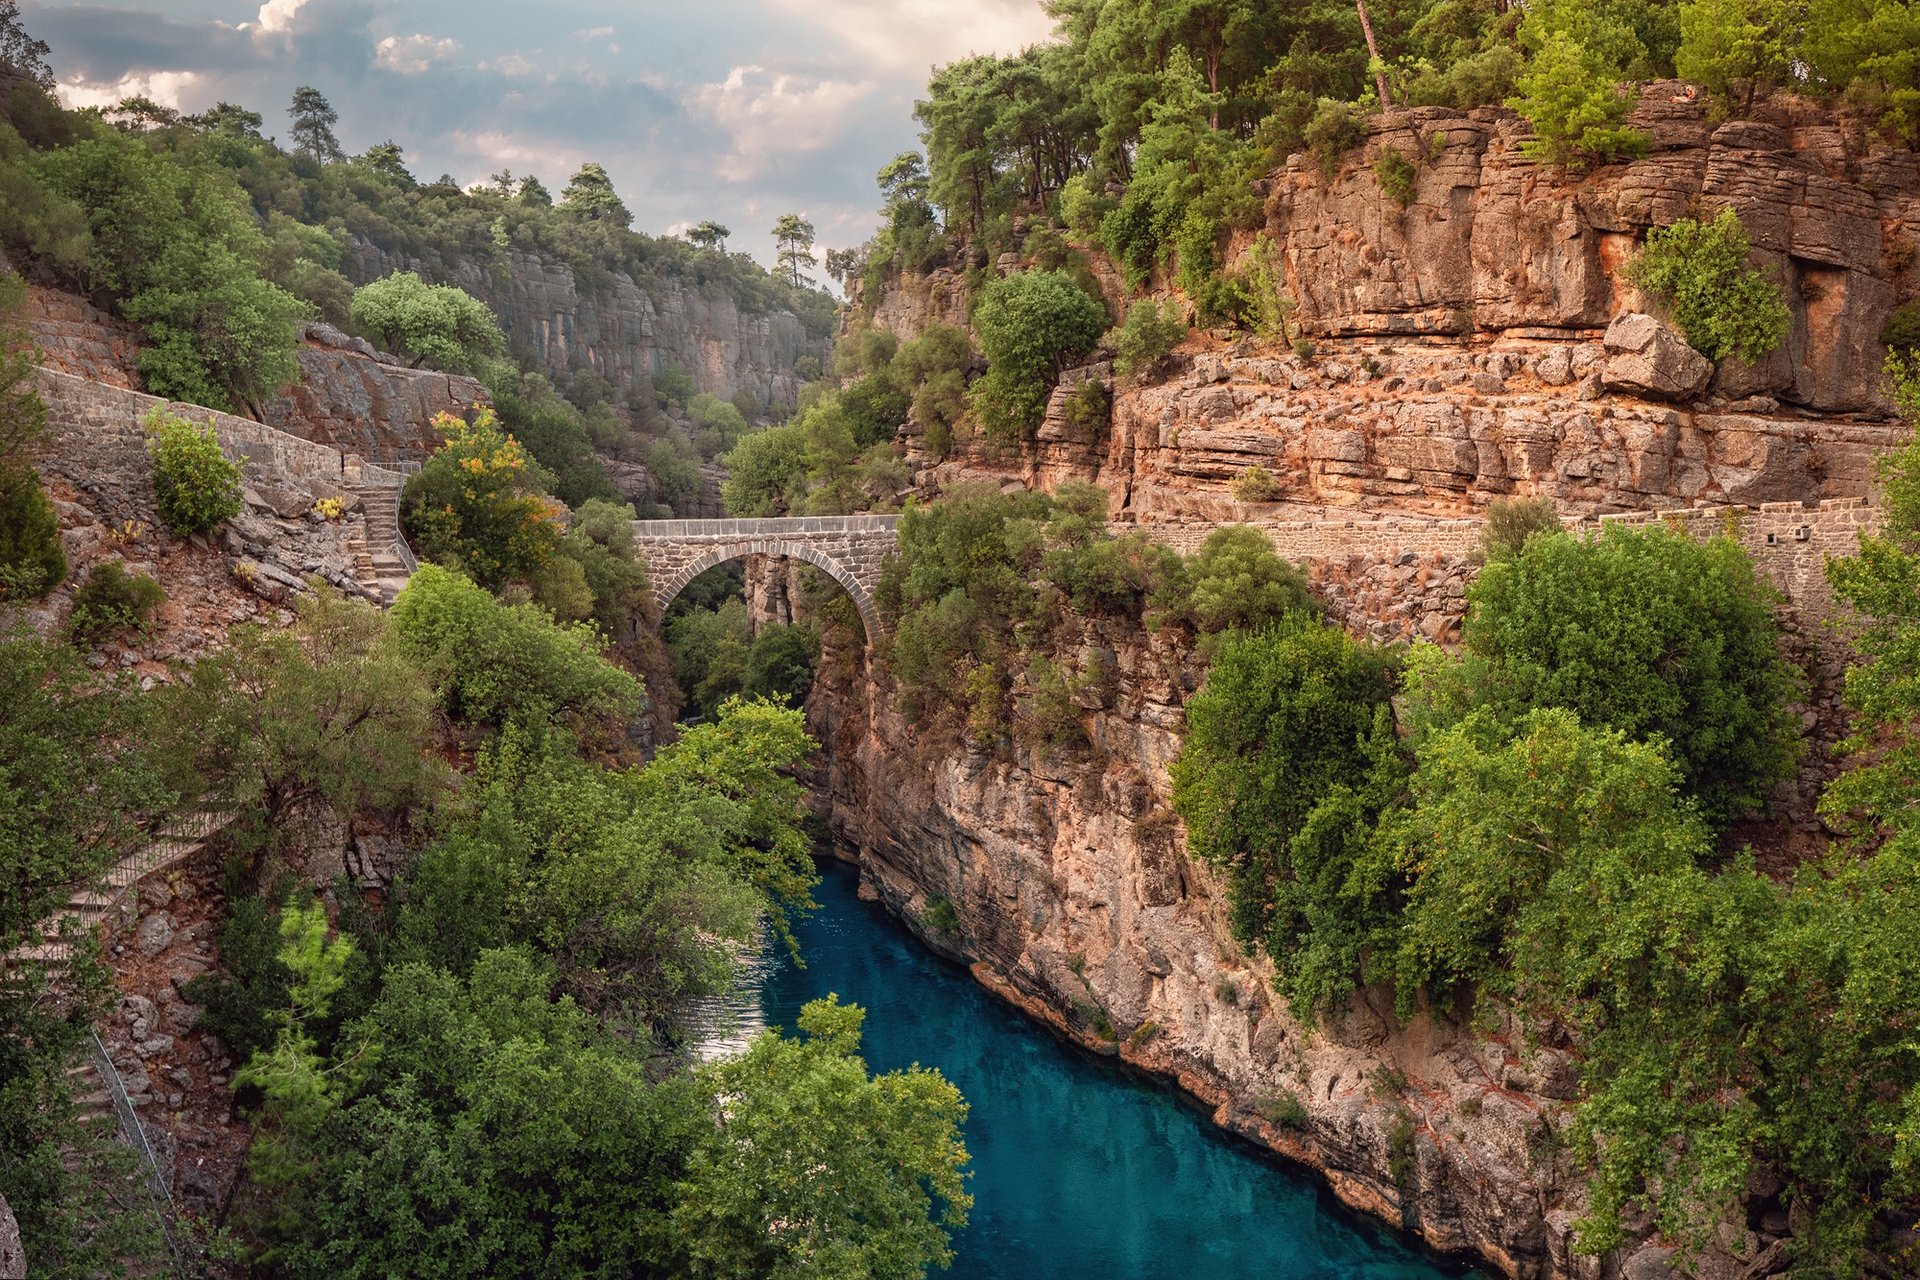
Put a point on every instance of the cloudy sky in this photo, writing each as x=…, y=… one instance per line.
x=738, y=110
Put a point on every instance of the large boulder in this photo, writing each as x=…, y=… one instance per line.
x=1646, y=358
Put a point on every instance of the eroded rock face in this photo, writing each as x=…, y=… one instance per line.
x=1492, y=241
x=13, y=1258
x=1646, y=358
x=351, y=399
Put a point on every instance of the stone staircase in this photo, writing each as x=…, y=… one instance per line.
x=91, y=907
x=381, y=560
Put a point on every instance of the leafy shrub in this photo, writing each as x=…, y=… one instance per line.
x=1255, y=484
x=473, y=504
x=1511, y=521
x=939, y=915
x=241, y=1006
x=1148, y=335
x=1090, y=407
x=32, y=561
x=1698, y=270
x=1030, y=325
x=1901, y=333
x=717, y=424
x=428, y=322
x=1335, y=129
x=1283, y=1109
x=673, y=384
x=1395, y=174
x=1303, y=348
x=112, y=600
x=195, y=487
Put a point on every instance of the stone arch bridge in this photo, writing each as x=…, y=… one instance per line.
x=849, y=549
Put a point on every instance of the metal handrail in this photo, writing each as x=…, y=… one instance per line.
x=134, y=1134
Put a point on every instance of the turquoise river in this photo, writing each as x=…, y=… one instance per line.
x=1079, y=1169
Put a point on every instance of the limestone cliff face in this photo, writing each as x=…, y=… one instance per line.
x=1493, y=240
x=1459, y=336
x=1077, y=902
x=351, y=400
x=621, y=329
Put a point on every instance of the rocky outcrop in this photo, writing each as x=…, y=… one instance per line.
x=348, y=397
x=1493, y=241
x=1433, y=427
x=608, y=323
x=351, y=399
x=1645, y=358
x=13, y=1257
x=76, y=337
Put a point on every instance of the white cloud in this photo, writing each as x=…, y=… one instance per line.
x=511, y=64
x=495, y=149
x=769, y=115
x=411, y=55
x=914, y=35
x=164, y=87
x=593, y=33
x=277, y=15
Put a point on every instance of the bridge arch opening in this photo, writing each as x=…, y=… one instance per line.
x=665, y=592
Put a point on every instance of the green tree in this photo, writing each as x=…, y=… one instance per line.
x=793, y=246
x=329, y=710
x=1737, y=50
x=1291, y=724
x=230, y=120
x=422, y=322
x=1571, y=94
x=1031, y=325
x=473, y=504
x=1148, y=336
x=1699, y=272
x=1237, y=579
x=21, y=51
x=195, y=487
x=818, y=1168
x=496, y=664
x=709, y=235
x=589, y=194
x=1651, y=633
x=313, y=120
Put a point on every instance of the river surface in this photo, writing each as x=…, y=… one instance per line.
x=1080, y=1170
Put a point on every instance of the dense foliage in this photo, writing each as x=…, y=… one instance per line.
x=32, y=560
x=1546, y=837
x=480, y=1080
x=717, y=655
x=69, y=1185
x=1030, y=325
x=987, y=591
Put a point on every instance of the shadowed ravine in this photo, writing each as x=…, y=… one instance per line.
x=1078, y=1169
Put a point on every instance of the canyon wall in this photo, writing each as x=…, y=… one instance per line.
x=1463, y=348
x=621, y=329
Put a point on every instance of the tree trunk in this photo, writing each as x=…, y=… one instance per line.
x=1373, y=55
